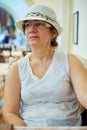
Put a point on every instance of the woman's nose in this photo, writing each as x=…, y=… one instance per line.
x=32, y=28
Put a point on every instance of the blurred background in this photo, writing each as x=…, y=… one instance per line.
x=71, y=15
x=10, y=11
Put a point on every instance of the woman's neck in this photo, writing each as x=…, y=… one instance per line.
x=42, y=55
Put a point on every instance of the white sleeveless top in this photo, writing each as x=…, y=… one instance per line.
x=51, y=100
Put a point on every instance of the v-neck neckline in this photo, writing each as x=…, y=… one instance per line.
x=47, y=71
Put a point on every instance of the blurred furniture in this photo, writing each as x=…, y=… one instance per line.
x=4, y=69
x=2, y=59
x=25, y=52
x=2, y=51
x=1, y=97
x=6, y=51
x=14, y=54
x=84, y=117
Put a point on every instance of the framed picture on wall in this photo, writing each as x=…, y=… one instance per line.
x=75, y=27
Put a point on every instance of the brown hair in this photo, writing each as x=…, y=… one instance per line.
x=54, y=42
x=23, y=27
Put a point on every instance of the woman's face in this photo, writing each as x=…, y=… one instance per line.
x=38, y=33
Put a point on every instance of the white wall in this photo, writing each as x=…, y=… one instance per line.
x=66, y=9
x=65, y=14
x=65, y=25
x=81, y=48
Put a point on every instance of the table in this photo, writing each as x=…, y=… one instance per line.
x=51, y=128
x=10, y=127
x=14, y=54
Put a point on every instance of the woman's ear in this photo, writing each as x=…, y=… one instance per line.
x=54, y=33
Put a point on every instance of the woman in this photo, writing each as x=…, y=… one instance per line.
x=44, y=88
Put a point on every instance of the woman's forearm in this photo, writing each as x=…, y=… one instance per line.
x=13, y=119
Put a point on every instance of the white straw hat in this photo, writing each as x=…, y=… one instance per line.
x=41, y=12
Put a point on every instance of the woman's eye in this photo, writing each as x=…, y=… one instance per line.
x=27, y=25
x=39, y=24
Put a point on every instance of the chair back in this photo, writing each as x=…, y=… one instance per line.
x=3, y=53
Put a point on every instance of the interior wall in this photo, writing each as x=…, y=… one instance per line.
x=81, y=48
x=50, y=3
x=66, y=25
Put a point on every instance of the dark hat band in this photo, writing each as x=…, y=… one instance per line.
x=37, y=14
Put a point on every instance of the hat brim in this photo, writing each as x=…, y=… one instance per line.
x=53, y=23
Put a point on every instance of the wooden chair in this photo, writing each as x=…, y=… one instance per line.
x=2, y=49
x=25, y=52
x=84, y=117
x=4, y=58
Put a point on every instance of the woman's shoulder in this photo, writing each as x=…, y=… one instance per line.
x=23, y=59
x=73, y=58
x=12, y=72
x=75, y=63
x=15, y=66
x=61, y=56
x=70, y=56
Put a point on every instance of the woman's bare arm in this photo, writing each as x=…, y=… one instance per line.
x=79, y=79
x=12, y=97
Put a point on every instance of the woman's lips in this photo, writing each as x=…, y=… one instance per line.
x=33, y=37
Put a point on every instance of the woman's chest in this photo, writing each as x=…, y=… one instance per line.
x=39, y=69
x=51, y=88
